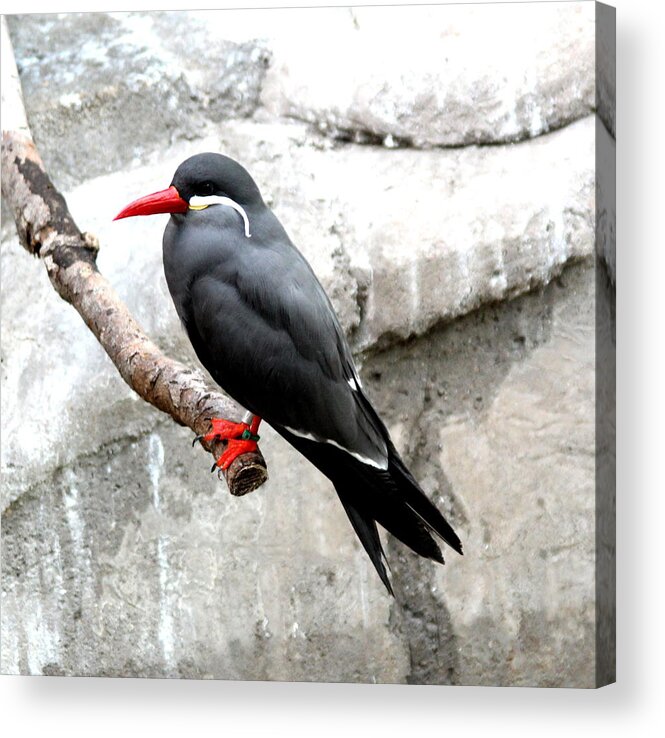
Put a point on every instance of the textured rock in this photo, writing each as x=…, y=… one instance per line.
x=418, y=75
x=437, y=76
x=132, y=560
x=496, y=412
x=139, y=566
x=401, y=240
x=606, y=61
x=465, y=279
x=606, y=198
x=102, y=89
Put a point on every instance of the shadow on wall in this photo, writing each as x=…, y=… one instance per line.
x=452, y=376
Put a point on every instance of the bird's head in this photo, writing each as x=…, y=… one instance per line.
x=201, y=181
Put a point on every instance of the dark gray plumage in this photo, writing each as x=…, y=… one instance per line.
x=262, y=325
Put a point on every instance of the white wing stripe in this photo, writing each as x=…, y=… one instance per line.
x=365, y=459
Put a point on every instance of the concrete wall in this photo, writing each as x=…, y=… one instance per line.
x=463, y=273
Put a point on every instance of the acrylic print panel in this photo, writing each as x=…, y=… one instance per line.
x=448, y=171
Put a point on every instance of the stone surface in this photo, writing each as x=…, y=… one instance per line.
x=102, y=89
x=437, y=75
x=401, y=240
x=606, y=198
x=606, y=61
x=606, y=479
x=465, y=279
x=132, y=560
x=605, y=137
x=496, y=417
x=139, y=558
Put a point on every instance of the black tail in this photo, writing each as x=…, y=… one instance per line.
x=390, y=497
x=365, y=527
x=418, y=501
x=393, y=499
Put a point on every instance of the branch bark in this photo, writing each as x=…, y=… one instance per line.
x=47, y=229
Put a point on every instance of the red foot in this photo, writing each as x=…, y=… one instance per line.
x=224, y=430
x=233, y=449
x=241, y=439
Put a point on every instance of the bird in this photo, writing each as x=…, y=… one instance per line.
x=263, y=326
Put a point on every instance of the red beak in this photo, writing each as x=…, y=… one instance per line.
x=165, y=201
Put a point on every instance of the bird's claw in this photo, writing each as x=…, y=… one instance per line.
x=224, y=430
x=239, y=440
x=197, y=439
x=234, y=448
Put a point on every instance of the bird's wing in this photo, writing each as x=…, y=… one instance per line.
x=270, y=337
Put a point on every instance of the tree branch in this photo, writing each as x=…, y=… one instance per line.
x=46, y=229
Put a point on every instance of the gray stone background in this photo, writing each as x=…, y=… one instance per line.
x=436, y=166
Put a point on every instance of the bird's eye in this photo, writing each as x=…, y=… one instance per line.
x=207, y=188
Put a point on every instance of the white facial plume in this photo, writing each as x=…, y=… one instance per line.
x=200, y=203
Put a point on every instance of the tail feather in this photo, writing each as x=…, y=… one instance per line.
x=390, y=497
x=370, y=496
x=388, y=508
x=418, y=501
x=410, y=490
x=365, y=528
